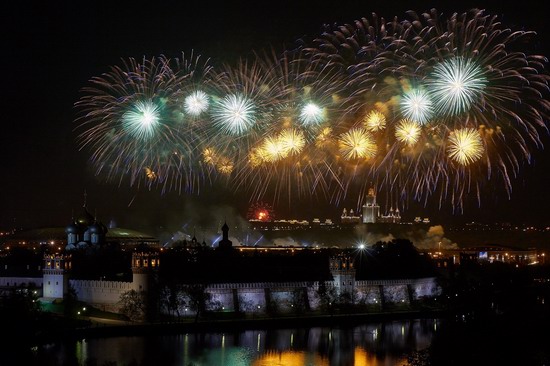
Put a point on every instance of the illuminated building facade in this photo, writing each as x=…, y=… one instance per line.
x=371, y=210
x=393, y=217
x=350, y=217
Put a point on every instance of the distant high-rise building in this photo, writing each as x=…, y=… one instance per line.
x=371, y=210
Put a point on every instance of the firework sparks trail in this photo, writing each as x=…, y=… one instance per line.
x=423, y=107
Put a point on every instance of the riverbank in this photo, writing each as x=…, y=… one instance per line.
x=108, y=328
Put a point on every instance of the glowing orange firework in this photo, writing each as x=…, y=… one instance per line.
x=272, y=149
x=292, y=141
x=260, y=211
x=375, y=121
x=465, y=146
x=407, y=131
x=357, y=143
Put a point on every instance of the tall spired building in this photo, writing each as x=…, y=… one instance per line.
x=371, y=210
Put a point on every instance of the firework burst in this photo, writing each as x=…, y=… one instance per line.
x=429, y=102
x=465, y=146
x=468, y=68
x=234, y=114
x=417, y=106
x=407, y=131
x=456, y=84
x=196, y=103
x=375, y=121
x=357, y=143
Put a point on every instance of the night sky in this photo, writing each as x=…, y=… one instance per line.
x=51, y=49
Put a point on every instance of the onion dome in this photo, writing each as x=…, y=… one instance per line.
x=85, y=218
x=72, y=228
x=98, y=228
x=95, y=228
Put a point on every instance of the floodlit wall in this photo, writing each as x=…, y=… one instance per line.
x=222, y=299
x=20, y=281
x=368, y=294
x=100, y=293
x=54, y=284
x=9, y=283
x=281, y=297
x=426, y=288
x=253, y=297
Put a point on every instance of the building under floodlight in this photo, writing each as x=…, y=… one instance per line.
x=371, y=210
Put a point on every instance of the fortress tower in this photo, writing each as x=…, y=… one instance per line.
x=56, y=275
x=142, y=266
x=343, y=273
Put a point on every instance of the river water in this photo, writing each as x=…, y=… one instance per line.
x=372, y=344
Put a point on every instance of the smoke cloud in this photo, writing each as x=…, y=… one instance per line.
x=432, y=238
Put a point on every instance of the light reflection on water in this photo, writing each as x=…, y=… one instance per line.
x=373, y=344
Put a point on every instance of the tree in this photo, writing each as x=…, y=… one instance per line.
x=198, y=298
x=20, y=315
x=173, y=299
x=327, y=296
x=70, y=302
x=298, y=300
x=347, y=299
x=132, y=304
x=245, y=305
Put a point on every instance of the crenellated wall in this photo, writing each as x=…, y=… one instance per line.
x=20, y=281
x=261, y=297
x=100, y=293
x=9, y=283
x=253, y=297
x=395, y=291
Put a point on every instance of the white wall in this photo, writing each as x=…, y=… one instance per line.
x=100, y=292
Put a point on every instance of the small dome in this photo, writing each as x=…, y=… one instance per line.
x=95, y=228
x=85, y=218
x=98, y=228
x=71, y=229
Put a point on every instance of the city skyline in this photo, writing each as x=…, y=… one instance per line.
x=54, y=51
